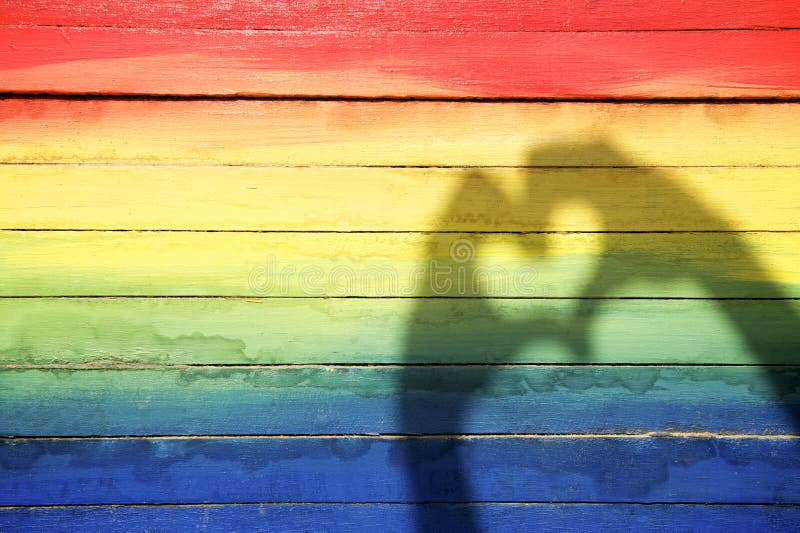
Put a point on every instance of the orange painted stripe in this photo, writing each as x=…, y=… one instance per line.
x=289, y=132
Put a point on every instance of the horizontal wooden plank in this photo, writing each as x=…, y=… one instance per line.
x=297, y=133
x=398, y=199
x=401, y=64
x=697, y=64
x=450, y=15
x=510, y=517
x=225, y=331
x=395, y=400
x=716, y=265
x=370, y=469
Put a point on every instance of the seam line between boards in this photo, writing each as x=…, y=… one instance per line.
x=133, y=163
x=317, y=298
x=389, y=31
x=105, y=366
x=400, y=232
x=403, y=503
x=30, y=95
x=418, y=436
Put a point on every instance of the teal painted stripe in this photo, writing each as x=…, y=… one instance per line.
x=313, y=469
x=397, y=518
x=445, y=400
x=315, y=330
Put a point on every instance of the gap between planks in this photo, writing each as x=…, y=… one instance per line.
x=112, y=366
x=425, y=436
x=90, y=95
x=329, y=31
x=390, y=232
x=392, y=503
x=172, y=164
x=360, y=297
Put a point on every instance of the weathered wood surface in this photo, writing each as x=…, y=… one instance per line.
x=360, y=400
x=301, y=133
x=705, y=265
x=374, y=469
x=400, y=518
x=146, y=331
x=653, y=234
x=386, y=15
x=397, y=199
x=406, y=64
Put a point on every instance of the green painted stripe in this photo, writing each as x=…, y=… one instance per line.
x=317, y=330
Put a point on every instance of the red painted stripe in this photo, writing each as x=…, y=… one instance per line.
x=403, y=64
x=483, y=15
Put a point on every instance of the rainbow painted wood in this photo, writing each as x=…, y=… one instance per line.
x=452, y=265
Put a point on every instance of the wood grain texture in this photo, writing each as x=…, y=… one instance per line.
x=398, y=518
x=697, y=64
x=398, y=199
x=448, y=15
x=298, y=133
x=371, y=469
x=364, y=400
x=640, y=259
x=110, y=331
x=706, y=265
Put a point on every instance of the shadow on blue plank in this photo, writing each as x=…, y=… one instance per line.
x=365, y=469
x=730, y=267
x=391, y=518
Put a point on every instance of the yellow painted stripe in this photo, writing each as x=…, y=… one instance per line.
x=397, y=199
x=364, y=264
x=398, y=133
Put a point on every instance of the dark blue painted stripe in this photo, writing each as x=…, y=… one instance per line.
x=641, y=469
x=391, y=518
x=451, y=400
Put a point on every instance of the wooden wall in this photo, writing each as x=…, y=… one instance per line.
x=446, y=265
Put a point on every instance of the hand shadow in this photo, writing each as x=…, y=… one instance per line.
x=468, y=330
